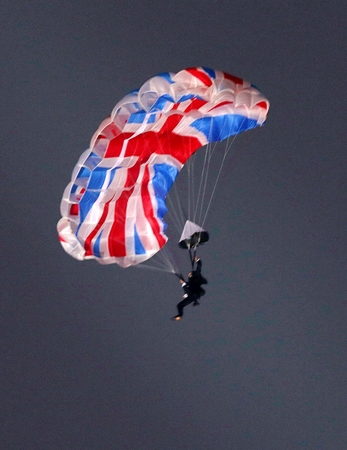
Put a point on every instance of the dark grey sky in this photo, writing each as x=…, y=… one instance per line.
x=90, y=358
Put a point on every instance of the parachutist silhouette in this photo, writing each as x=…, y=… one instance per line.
x=192, y=289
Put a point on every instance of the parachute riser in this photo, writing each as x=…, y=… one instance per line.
x=191, y=257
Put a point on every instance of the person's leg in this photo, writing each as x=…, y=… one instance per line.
x=182, y=304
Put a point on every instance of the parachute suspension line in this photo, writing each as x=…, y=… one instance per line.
x=191, y=183
x=190, y=166
x=177, y=207
x=226, y=151
x=190, y=172
x=176, y=211
x=145, y=266
x=161, y=261
x=203, y=177
x=169, y=260
x=210, y=151
x=228, y=146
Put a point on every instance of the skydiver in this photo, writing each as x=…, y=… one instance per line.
x=192, y=289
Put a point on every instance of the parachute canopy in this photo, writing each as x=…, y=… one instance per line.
x=113, y=208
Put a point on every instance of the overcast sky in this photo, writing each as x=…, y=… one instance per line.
x=90, y=357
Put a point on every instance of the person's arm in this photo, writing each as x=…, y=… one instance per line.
x=202, y=280
x=198, y=266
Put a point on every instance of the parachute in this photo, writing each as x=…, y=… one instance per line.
x=114, y=206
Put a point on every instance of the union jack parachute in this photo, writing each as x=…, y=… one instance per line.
x=113, y=208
